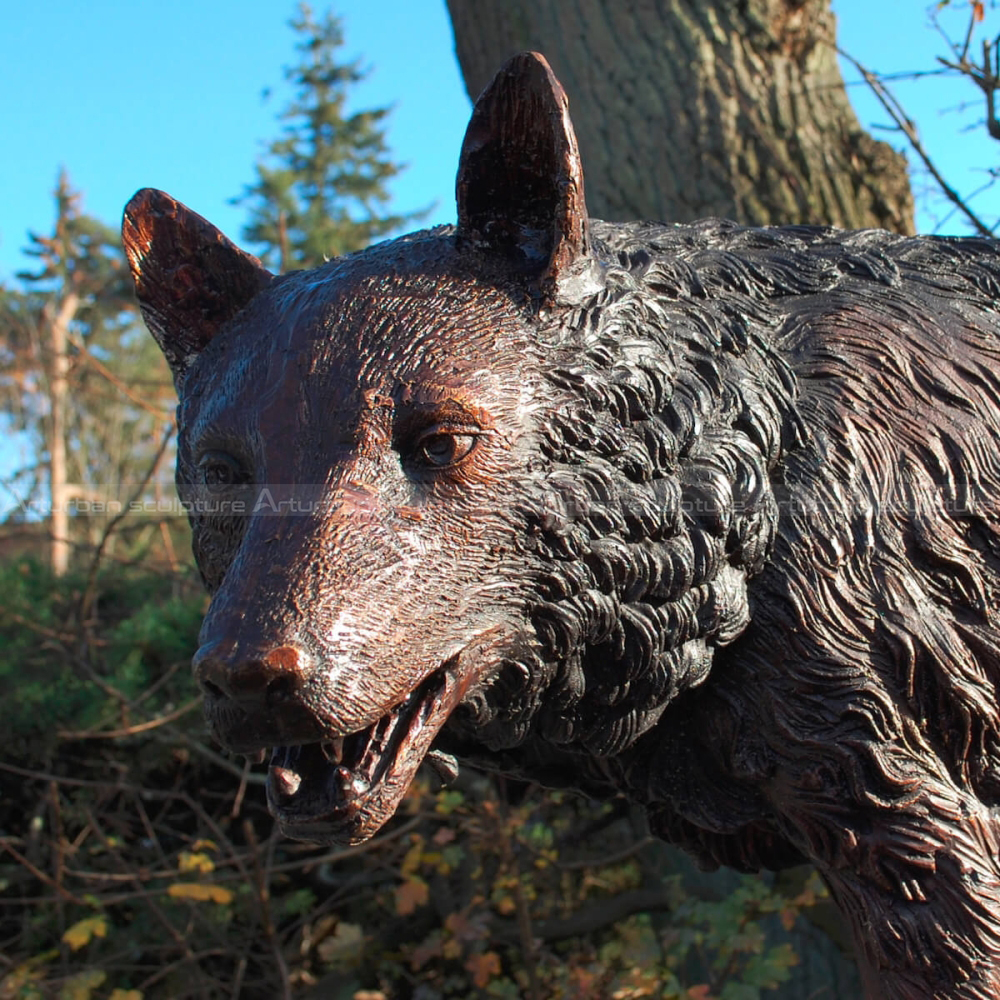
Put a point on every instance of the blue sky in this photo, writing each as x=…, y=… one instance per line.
x=133, y=94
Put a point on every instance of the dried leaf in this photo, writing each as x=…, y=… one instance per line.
x=201, y=892
x=425, y=951
x=411, y=894
x=82, y=985
x=344, y=942
x=483, y=968
x=414, y=856
x=83, y=930
x=120, y=994
x=195, y=862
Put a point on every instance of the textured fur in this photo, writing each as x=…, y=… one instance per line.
x=726, y=541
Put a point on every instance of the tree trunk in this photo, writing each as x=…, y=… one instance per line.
x=693, y=108
x=59, y=492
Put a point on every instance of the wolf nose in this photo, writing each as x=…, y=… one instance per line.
x=258, y=676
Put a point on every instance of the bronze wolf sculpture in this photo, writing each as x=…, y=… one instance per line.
x=704, y=515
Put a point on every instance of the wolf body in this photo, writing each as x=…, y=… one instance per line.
x=703, y=515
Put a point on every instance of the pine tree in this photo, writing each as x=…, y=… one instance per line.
x=321, y=189
x=78, y=376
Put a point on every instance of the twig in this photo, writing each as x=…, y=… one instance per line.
x=343, y=853
x=216, y=758
x=159, y=682
x=178, y=938
x=5, y=845
x=168, y=970
x=102, y=369
x=87, y=599
x=241, y=791
x=261, y=884
x=62, y=638
x=524, y=928
x=907, y=127
x=241, y=968
x=141, y=727
x=609, y=859
x=598, y=914
x=59, y=849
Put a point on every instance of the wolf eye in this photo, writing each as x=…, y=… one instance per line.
x=443, y=448
x=219, y=470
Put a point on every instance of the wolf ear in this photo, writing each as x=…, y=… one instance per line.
x=189, y=278
x=520, y=180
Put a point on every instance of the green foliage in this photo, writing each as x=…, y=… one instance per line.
x=144, y=867
x=58, y=676
x=321, y=189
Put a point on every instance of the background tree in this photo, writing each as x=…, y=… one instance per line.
x=321, y=189
x=79, y=376
x=971, y=54
x=683, y=110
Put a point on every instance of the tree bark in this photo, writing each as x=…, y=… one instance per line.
x=59, y=491
x=692, y=108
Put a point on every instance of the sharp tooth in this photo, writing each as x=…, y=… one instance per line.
x=345, y=780
x=286, y=782
x=333, y=749
x=444, y=765
x=351, y=785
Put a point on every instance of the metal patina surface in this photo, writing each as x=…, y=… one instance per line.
x=705, y=515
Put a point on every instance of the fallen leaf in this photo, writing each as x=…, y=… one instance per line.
x=83, y=930
x=483, y=968
x=411, y=894
x=82, y=985
x=700, y=992
x=201, y=892
x=195, y=862
x=444, y=835
x=344, y=942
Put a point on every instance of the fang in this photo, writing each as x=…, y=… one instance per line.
x=286, y=782
x=444, y=765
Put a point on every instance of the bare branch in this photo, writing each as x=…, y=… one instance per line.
x=906, y=125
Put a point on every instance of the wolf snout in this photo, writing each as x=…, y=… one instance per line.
x=255, y=694
x=259, y=676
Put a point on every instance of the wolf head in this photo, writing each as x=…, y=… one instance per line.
x=485, y=489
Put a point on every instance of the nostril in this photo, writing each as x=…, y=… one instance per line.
x=282, y=687
x=268, y=677
x=212, y=690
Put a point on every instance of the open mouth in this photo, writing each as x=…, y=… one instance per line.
x=340, y=791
